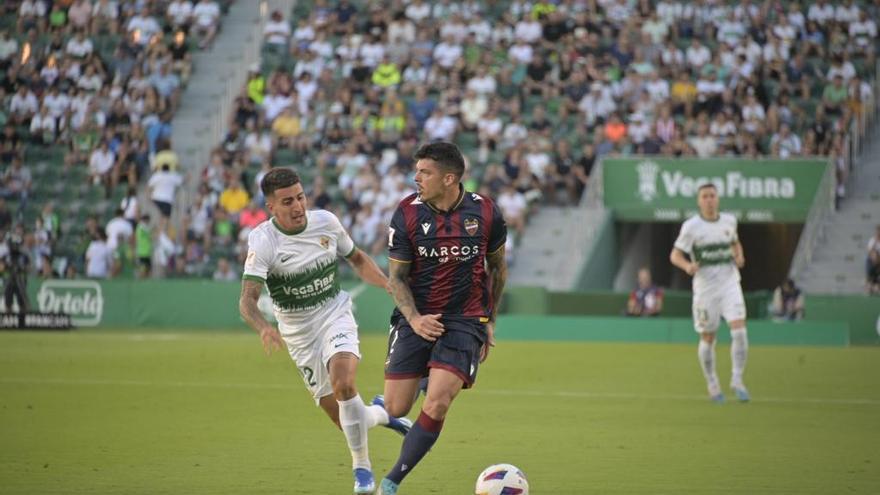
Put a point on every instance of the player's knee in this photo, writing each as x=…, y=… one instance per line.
x=344, y=388
x=397, y=406
x=437, y=407
x=708, y=337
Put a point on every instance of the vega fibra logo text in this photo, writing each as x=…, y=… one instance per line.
x=732, y=184
x=81, y=299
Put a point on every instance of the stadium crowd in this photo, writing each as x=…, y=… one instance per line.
x=533, y=92
x=86, y=99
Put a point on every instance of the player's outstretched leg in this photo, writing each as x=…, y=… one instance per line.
x=706, y=355
x=400, y=425
x=739, y=351
x=443, y=388
x=355, y=418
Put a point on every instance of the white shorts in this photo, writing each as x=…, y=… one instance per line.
x=337, y=333
x=710, y=307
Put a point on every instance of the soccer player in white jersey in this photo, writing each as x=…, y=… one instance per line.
x=295, y=255
x=716, y=255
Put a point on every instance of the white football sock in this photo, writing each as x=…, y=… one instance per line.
x=739, y=352
x=354, y=419
x=375, y=415
x=706, y=354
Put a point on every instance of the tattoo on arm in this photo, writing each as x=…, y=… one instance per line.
x=247, y=305
x=498, y=276
x=398, y=273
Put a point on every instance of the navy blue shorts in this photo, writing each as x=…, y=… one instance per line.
x=457, y=351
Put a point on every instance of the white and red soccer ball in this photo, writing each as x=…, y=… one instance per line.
x=502, y=479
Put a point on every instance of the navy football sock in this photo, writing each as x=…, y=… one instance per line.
x=416, y=444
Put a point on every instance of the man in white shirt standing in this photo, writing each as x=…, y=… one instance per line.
x=99, y=256
x=716, y=256
x=163, y=188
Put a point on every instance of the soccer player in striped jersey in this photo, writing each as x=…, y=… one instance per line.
x=295, y=255
x=446, y=272
x=716, y=255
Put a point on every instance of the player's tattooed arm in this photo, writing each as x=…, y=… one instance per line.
x=498, y=275
x=250, y=312
x=427, y=327
x=398, y=282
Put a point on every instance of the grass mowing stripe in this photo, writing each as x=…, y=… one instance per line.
x=525, y=392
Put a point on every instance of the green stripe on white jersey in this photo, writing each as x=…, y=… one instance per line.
x=710, y=243
x=300, y=269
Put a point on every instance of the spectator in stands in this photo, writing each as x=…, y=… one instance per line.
x=788, y=302
x=872, y=264
x=224, y=271
x=163, y=186
x=101, y=166
x=234, y=198
x=99, y=256
x=206, y=15
x=785, y=144
x=17, y=182
x=834, y=96
x=514, y=207
x=119, y=230
x=647, y=298
x=178, y=14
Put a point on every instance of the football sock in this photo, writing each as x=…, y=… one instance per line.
x=739, y=352
x=375, y=415
x=706, y=354
x=416, y=444
x=353, y=418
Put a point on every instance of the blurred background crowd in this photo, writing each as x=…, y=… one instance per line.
x=533, y=92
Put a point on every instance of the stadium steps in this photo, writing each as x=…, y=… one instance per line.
x=838, y=265
x=205, y=99
x=555, y=246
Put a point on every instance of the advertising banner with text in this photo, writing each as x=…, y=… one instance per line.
x=755, y=191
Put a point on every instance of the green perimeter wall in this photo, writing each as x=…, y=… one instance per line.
x=856, y=314
x=204, y=304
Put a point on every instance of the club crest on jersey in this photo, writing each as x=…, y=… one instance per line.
x=325, y=242
x=471, y=225
x=426, y=227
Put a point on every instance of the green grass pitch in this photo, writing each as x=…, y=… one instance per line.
x=208, y=413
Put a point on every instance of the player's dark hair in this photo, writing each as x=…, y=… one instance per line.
x=447, y=156
x=705, y=186
x=278, y=178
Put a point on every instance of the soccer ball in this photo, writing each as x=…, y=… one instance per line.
x=502, y=479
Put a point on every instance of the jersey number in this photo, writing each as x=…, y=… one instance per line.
x=308, y=375
x=390, y=237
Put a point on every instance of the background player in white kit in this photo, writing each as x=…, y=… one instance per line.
x=716, y=256
x=295, y=254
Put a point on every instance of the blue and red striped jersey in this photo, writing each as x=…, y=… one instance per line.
x=448, y=250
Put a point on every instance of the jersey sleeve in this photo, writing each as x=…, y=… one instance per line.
x=498, y=231
x=344, y=244
x=734, y=226
x=259, y=257
x=399, y=246
x=685, y=240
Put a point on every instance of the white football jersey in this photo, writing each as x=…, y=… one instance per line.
x=300, y=269
x=711, y=245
